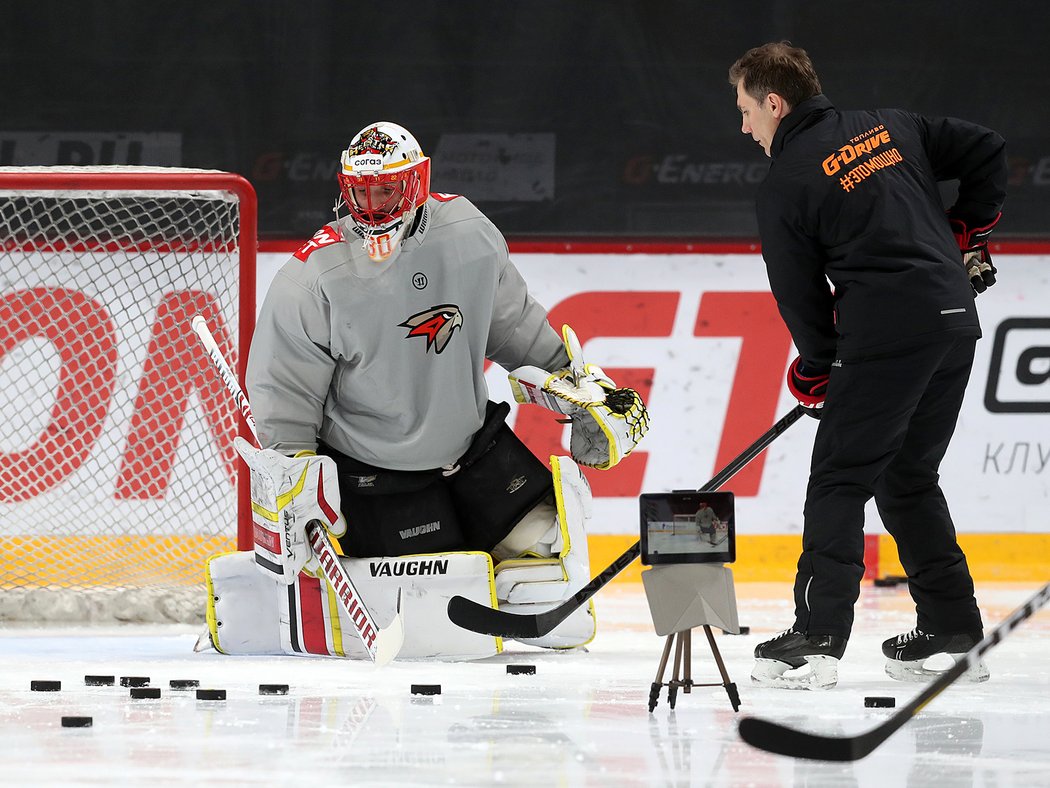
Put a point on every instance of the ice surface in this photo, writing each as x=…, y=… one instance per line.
x=582, y=719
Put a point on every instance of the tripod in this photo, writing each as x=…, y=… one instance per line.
x=682, y=675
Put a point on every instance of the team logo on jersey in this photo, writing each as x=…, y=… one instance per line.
x=435, y=324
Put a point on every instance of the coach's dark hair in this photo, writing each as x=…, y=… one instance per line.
x=776, y=68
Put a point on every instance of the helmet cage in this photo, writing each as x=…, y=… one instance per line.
x=410, y=190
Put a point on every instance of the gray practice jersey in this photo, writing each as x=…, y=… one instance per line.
x=384, y=361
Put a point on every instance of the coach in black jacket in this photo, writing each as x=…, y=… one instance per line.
x=885, y=349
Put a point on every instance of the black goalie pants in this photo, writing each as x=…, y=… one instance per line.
x=885, y=427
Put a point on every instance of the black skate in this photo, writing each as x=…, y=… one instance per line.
x=907, y=654
x=794, y=651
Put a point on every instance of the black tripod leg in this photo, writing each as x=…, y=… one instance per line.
x=676, y=677
x=654, y=690
x=734, y=696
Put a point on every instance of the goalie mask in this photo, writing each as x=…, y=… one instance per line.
x=384, y=178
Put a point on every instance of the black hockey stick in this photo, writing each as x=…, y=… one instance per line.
x=479, y=618
x=771, y=737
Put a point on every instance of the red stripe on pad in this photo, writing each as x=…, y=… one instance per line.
x=311, y=609
x=329, y=512
x=266, y=539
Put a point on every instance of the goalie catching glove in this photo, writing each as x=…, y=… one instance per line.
x=287, y=493
x=607, y=422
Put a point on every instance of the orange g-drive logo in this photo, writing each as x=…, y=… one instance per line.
x=857, y=147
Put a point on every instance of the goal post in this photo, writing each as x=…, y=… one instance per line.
x=118, y=476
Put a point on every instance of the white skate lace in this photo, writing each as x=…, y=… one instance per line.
x=908, y=636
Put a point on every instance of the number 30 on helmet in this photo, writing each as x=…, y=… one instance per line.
x=384, y=178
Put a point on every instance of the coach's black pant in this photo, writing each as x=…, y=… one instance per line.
x=885, y=427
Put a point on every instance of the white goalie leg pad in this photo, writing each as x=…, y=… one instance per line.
x=242, y=605
x=249, y=613
x=556, y=566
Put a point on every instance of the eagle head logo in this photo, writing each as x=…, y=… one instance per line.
x=435, y=324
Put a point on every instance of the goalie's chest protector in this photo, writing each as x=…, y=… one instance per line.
x=409, y=338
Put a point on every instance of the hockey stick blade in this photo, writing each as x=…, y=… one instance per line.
x=781, y=740
x=485, y=620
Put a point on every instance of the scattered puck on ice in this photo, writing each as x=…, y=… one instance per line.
x=45, y=686
x=134, y=681
x=273, y=689
x=426, y=689
x=879, y=703
x=145, y=693
x=211, y=694
x=98, y=681
x=184, y=684
x=76, y=722
x=743, y=631
x=521, y=670
x=889, y=581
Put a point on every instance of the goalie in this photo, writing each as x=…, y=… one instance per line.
x=366, y=378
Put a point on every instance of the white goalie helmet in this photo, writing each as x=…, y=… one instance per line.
x=384, y=178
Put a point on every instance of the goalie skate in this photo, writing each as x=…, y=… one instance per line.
x=915, y=656
x=793, y=660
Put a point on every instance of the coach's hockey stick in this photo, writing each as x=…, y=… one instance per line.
x=478, y=618
x=779, y=739
x=382, y=645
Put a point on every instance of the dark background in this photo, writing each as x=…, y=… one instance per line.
x=610, y=118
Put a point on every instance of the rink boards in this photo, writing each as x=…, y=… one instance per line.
x=700, y=336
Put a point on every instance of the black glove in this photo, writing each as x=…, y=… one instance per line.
x=809, y=385
x=973, y=243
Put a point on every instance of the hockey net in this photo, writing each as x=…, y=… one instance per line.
x=118, y=475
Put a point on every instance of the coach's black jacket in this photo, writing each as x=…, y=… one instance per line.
x=852, y=196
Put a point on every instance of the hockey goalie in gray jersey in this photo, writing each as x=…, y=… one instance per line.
x=366, y=376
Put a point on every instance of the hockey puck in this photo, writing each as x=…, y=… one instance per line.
x=879, y=703
x=98, y=681
x=890, y=581
x=145, y=693
x=184, y=684
x=426, y=689
x=211, y=694
x=76, y=722
x=45, y=686
x=134, y=681
x=521, y=670
x=273, y=689
x=742, y=631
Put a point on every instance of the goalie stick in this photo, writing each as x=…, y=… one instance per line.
x=381, y=645
x=486, y=621
x=781, y=740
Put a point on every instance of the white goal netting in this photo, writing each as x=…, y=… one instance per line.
x=117, y=470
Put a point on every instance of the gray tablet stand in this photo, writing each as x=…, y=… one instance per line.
x=681, y=597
